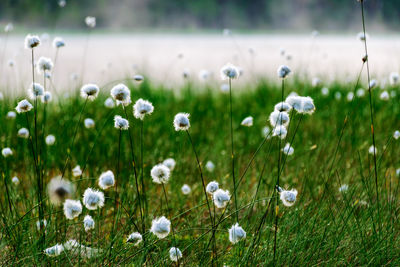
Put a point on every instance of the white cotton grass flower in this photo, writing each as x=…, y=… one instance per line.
x=23, y=106
x=15, y=180
x=9, y=27
x=106, y=180
x=36, y=90
x=283, y=106
x=316, y=82
x=212, y=187
x=288, y=197
x=265, y=131
x=134, y=239
x=160, y=227
x=44, y=64
x=121, y=123
x=186, y=189
x=248, y=121
x=38, y=224
x=338, y=95
x=229, y=71
x=32, y=41
x=350, y=96
x=279, y=131
x=362, y=37
x=121, y=94
x=288, y=149
x=59, y=189
x=210, y=166
x=58, y=42
x=396, y=134
x=160, y=174
x=138, y=78
x=109, y=103
x=142, y=108
x=175, y=254
x=54, y=251
x=373, y=84
x=90, y=21
x=50, y=140
x=181, y=122
x=343, y=188
x=283, y=71
x=93, y=199
x=6, y=152
x=372, y=150
x=360, y=92
x=205, y=75
x=302, y=104
x=88, y=223
x=236, y=233
x=90, y=91
x=221, y=198
x=46, y=97
x=224, y=88
x=11, y=115
x=394, y=78
x=325, y=91
x=84, y=252
x=170, y=163
x=384, y=96
x=62, y=3
x=72, y=208
x=77, y=171
x=277, y=118
x=89, y=123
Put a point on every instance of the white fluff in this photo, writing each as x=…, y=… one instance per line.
x=229, y=71
x=121, y=94
x=210, y=166
x=221, y=198
x=89, y=123
x=121, y=123
x=106, y=180
x=15, y=180
x=72, y=208
x=93, y=199
x=59, y=189
x=248, y=121
x=160, y=227
x=236, y=233
x=35, y=91
x=58, y=42
x=185, y=189
x=280, y=131
x=50, y=140
x=277, y=118
x=170, y=163
x=54, y=251
x=283, y=71
x=109, y=103
x=32, y=41
x=396, y=134
x=6, y=152
x=142, y=108
x=372, y=149
x=23, y=106
x=88, y=223
x=288, y=198
x=77, y=171
x=181, y=122
x=212, y=187
x=175, y=254
x=288, y=149
x=90, y=91
x=134, y=238
x=160, y=174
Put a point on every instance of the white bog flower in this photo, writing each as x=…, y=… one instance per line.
x=90, y=21
x=54, y=251
x=138, y=78
x=175, y=254
x=396, y=134
x=6, y=152
x=142, y=108
x=89, y=123
x=23, y=106
x=93, y=199
x=279, y=131
x=106, y=180
x=372, y=149
x=31, y=41
x=287, y=197
x=221, y=198
x=88, y=223
x=343, y=188
x=277, y=118
x=72, y=208
x=224, y=88
x=265, y=131
x=248, y=121
x=121, y=123
x=283, y=71
x=109, y=103
x=35, y=90
x=236, y=233
x=170, y=163
x=181, y=122
x=316, y=82
x=283, y=106
x=229, y=71
x=58, y=42
x=373, y=84
x=38, y=224
x=44, y=64
x=160, y=227
x=325, y=91
x=360, y=92
x=384, y=96
x=212, y=187
x=338, y=95
x=160, y=174
x=302, y=104
x=134, y=238
x=350, y=96
x=15, y=180
x=46, y=97
x=394, y=78
x=59, y=189
x=288, y=149
x=210, y=166
x=121, y=94
x=186, y=189
x=50, y=140
x=90, y=91
x=77, y=171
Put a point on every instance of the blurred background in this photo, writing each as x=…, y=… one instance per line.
x=133, y=15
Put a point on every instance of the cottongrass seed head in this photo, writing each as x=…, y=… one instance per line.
x=134, y=239
x=46, y=97
x=72, y=208
x=90, y=21
x=160, y=227
x=58, y=42
x=90, y=91
x=170, y=163
x=121, y=123
x=89, y=123
x=236, y=233
x=229, y=71
x=106, y=180
x=210, y=166
x=142, y=108
x=396, y=134
x=23, y=106
x=394, y=78
x=160, y=174
x=372, y=150
x=15, y=180
x=11, y=115
x=288, y=197
x=221, y=198
x=185, y=189
x=280, y=131
x=77, y=171
x=343, y=188
x=288, y=149
x=283, y=71
x=302, y=104
x=93, y=199
x=6, y=152
x=109, y=103
x=50, y=140
x=277, y=118
x=248, y=121
x=59, y=189
x=36, y=90
x=175, y=254
x=54, y=251
x=283, y=106
x=44, y=64
x=121, y=94
x=32, y=41
x=88, y=223
x=212, y=187
x=181, y=122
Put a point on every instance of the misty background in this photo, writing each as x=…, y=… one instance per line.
x=270, y=15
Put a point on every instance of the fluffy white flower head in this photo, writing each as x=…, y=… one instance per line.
x=229, y=71
x=142, y=108
x=210, y=166
x=283, y=71
x=58, y=42
x=212, y=187
x=23, y=106
x=160, y=227
x=77, y=171
x=277, y=118
x=236, y=233
x=109, y=103
x=134, y=238
x=279, y=131
x=44, y=64
x=121, y=123
x=221, y=198
x=6, y=152
x=121, y=94
x=90, y=91
x=288, y=149
x=50, y=140
x=88, y=223
x=35, y=90
x=72, y=208
x=160, y=174
x=396, y=134
x=54, y=251
x=93, y=199
x=15, y=180
x=248, y=121
x=181, y=122
x=287, y=197
x=185, y=189
x=90, y=21
x=89, y=123
x=372, y=150
x=59, y=189
x=106, y=180
x=31, y=41
x=46, y=97
x=170, y=163
x=175, y=254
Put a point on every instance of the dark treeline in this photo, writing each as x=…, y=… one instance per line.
x=209, y=14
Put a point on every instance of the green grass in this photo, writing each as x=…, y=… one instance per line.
x=324, y=227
